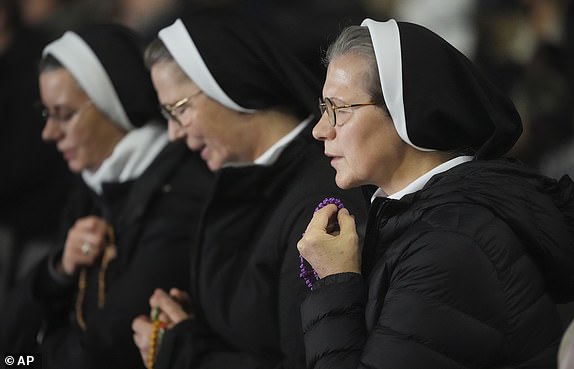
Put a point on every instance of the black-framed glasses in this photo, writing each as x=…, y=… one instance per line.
x=65, y=115
x=175, y=110
x=327, y=105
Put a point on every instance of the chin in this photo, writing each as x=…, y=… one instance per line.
x=75, y=168
x=193, y=144
x=344, y=183
x=213, y=165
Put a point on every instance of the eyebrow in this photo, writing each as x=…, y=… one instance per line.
x=60, y=107
x=338, y=100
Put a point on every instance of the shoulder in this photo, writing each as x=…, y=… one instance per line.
x=174, y=186
x=447, y=239
x=453, y=227
x=178, y=166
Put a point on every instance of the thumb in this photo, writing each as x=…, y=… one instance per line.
x=171, y=308
x=320, y=220
x=346, y=222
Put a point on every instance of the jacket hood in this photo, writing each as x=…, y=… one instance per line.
x=539, y=209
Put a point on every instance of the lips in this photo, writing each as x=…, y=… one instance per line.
x=204, y=152
x=335, y=160
x=68, y=154
x=332, y=156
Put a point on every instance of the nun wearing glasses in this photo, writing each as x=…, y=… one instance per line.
x=129, y=224
x=465, y=252
x=236, y=96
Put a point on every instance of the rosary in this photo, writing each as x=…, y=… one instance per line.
x=158, y=328
x=110, y=253
x=303, y=272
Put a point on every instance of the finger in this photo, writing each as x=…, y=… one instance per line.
x=141, y=324
x=163, y=317
x=169, y=306
x=142, y=330
x=320, y=220
x=85, y=254
x=346, y=222
x=143, y=346
x=177, y=293
x=97, y=242
x=86, y=246
x=140, y=341
x=77, y=253
x=180, y=296
x=183, y=299
x=154, y=298
x=144, y=356
x=93, y=223
x=91, y=229
x=303, y=242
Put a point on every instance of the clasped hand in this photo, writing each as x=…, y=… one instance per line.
x=173, y=309
x=331, y=252
x=84, y=244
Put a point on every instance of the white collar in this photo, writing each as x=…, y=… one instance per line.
x=270, y=156
x=420, y=182
x=130, y=158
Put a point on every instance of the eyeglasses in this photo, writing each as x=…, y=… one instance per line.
x=175, y=110
x=328, y=106
x=65, y=116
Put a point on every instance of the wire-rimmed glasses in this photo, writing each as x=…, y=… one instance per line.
x=67, y=116
x=174, y=111
x=327, y=105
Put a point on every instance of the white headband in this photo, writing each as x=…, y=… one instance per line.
x=77, y=57
x=387, y=45
x=187, y=56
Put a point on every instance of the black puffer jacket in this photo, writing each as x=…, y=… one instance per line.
x=464, y=273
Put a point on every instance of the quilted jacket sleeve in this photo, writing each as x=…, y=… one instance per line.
x=441, y=306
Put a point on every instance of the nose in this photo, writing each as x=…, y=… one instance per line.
x=323, y=130
x=52, y=131
x=175, y=131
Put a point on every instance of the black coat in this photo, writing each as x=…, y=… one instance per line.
x=461, y=274
x=245, y=272
x=154, y=218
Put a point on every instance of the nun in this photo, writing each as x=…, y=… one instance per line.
x=465, y=252
x=129, y=223
x=236, y=96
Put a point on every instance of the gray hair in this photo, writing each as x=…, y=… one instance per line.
x=157, y=52
x=48, y=63
x=357, y=40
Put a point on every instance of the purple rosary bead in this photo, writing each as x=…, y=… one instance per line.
x=327, y=201
x=303, y=272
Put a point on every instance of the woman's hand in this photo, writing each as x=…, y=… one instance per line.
x=84, y=244
x=142, y=327
x=172, y=310
x=174, y=307
x=331, y=252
